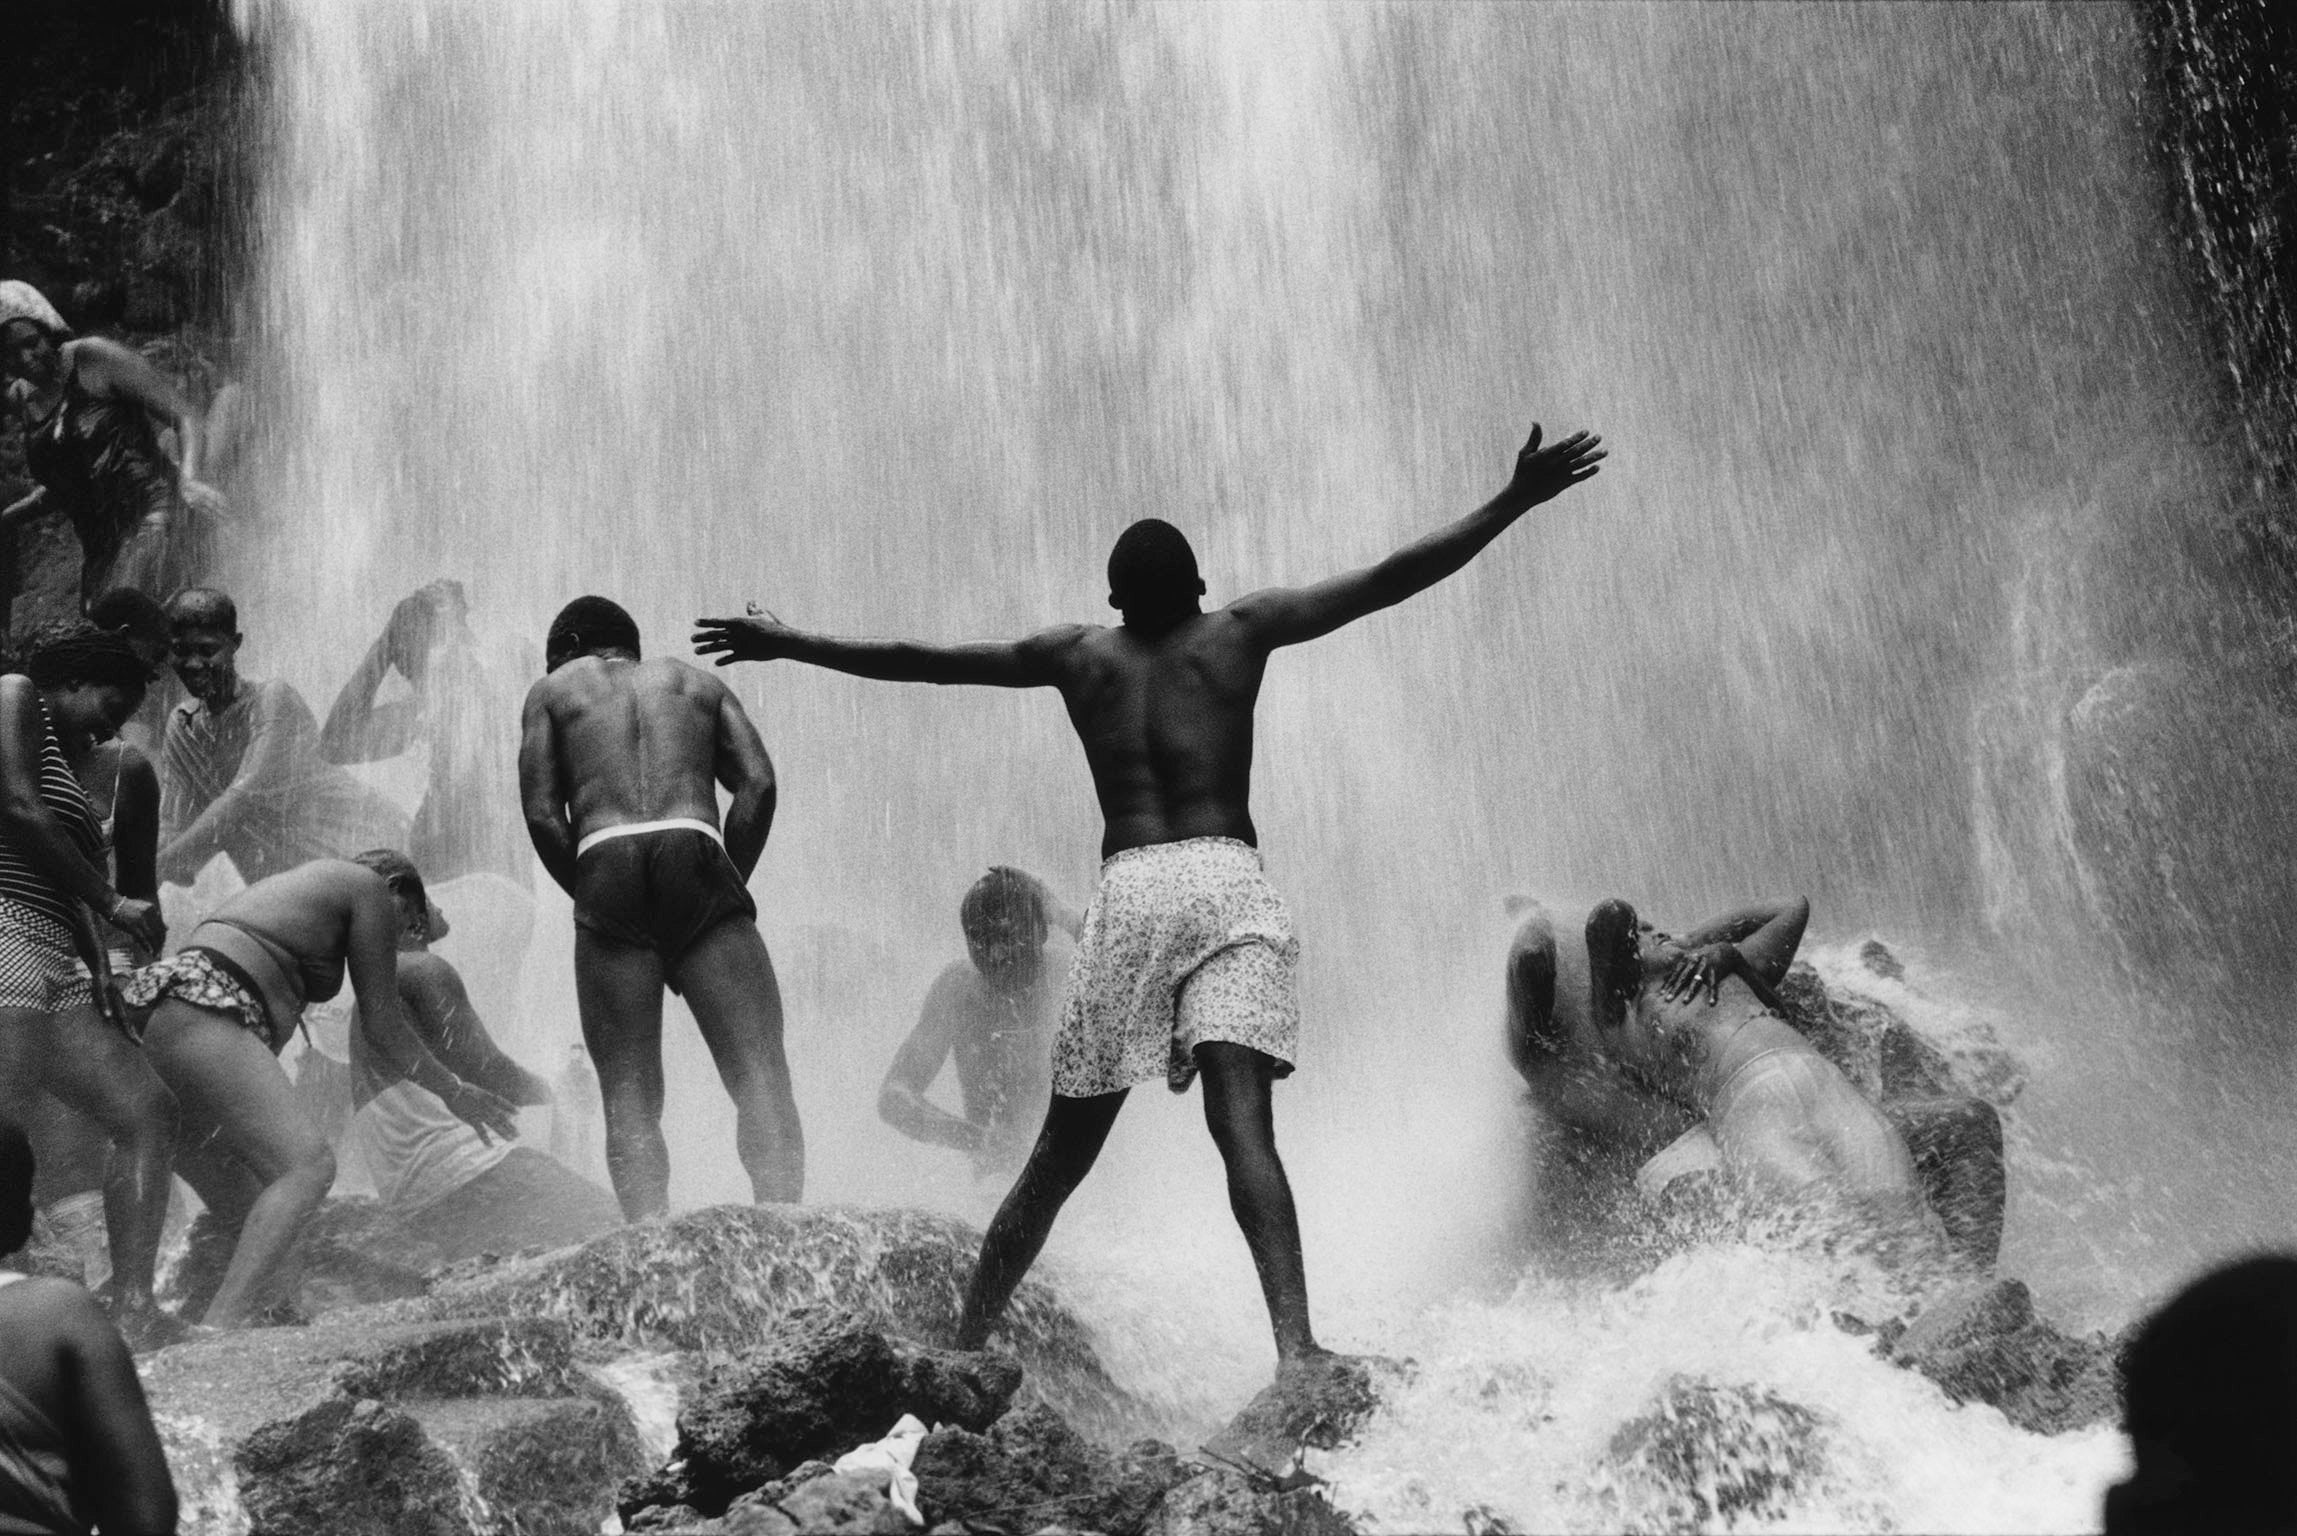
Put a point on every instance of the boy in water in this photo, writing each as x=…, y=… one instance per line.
x=994, y=1012
x=619, y=762
x=1185, y=964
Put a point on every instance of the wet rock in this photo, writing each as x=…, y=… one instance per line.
x=839, y=1506
x=391, y=1427
x=718, y=1280
x=1225, y=1502
x=1031, y=1470
x=1319, y=1403
x=351, y=1467
x=1988, y=1346
x=1709, y=1454
x=825, y=1384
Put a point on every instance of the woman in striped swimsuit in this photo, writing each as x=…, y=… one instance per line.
x=54, y=1034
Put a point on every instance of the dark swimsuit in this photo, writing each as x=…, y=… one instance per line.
x=660, y=888
x=100, y=459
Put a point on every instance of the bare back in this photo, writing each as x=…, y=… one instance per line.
x=634, y=740
x=1166, y=723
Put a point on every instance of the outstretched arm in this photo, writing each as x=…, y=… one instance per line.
x=1288, y=615
x=747, y=772
x=439, y=1008
x=373, y=962
x=540, y=793
x=759, y=636
x=358, y=730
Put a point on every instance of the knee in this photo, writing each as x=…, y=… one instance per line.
x=312, y=1169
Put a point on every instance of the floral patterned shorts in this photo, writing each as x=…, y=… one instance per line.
x=206, y=980
x=1184, y=943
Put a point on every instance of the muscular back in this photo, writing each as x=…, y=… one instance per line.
x=1166, y=723
x=634, y=740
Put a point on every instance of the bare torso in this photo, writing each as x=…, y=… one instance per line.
x=636, y=740
x=1166, y=724
x=1003, y=1044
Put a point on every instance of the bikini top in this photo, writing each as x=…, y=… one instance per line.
x=315, y=979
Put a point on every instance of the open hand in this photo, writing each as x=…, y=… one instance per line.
x=486, y=1113
x=1700, y=969
x=1542, y=474
x=756, y=636
x=141, y=921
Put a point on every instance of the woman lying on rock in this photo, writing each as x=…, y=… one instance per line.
x=224, y=1007
x=1702, y=1025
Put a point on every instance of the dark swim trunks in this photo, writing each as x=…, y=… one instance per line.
x=658, y=886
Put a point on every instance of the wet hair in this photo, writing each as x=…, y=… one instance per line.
x=130, y=612
x=2209, y=1392
x=398, y=872
x=15, y=1187
x=34, y=323
x=1001, y=893
x=1614, y=962
x=70, y=652
x=586, y=625
x=203, y=608
x=1153, y=569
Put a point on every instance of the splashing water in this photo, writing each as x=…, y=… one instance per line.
x=892, y=318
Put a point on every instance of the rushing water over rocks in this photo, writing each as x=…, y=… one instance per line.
x=1906, y=588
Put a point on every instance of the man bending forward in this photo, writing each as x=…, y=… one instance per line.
x=1185, y=964
x=618, y=763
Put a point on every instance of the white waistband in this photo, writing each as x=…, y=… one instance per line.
x=641, y=828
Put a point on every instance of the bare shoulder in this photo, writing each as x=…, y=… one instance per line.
x=426, y=970
x=1053, y=645
x=61, y=1307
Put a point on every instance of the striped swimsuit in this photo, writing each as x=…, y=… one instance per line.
x=39, y=962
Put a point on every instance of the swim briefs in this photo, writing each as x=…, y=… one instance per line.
x=660, y=886
x=204, y=979
x=1184, y=943
x=39, y=964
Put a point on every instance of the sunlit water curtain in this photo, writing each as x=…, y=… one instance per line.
x=891, y=318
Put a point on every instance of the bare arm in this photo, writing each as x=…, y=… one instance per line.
x=33, y=828
x=744, y=768
x=439, y=1007
x=1058, y=913
x=373, y=962
x=357, y=729
x=115, y=1450
x=1282, y=616
x=901, y=1100
x=268, y=763
x=107, y=368
x=136, y=826
x=1756, y=943
x=24, y=508
x=759, y=636
x=540, y=792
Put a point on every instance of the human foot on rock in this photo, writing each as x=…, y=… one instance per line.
x=146, y=1326
x=1319, y=1399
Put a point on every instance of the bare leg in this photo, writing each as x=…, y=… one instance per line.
x=728, y=980
x=94, y=1069
x=1239, y=1113
x=1075, y=1130
x=227, y=1077
x=619, y=990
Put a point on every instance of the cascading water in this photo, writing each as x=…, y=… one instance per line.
x=892, y=318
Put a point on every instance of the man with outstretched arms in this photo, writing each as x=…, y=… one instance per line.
x=619, y=763
x=1185, y=964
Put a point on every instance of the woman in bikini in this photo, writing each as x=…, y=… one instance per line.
x=54, y=1034
x=225, y=1005
x=1702, y=1026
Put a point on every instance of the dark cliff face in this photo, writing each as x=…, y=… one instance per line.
x=2226, y=116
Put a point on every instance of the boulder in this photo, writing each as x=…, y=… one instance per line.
x=1226, y=1502
x=1032, y=1470
x=827, y=1382
x=718, y=1280
x=1709, y=1455
x=1987, y=1345
x=453, y=1427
